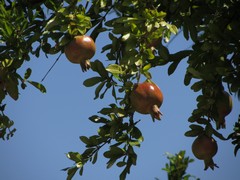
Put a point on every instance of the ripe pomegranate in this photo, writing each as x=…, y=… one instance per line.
x=224, y=107
x=80, y=50
x=204, y=148
x=146, y=98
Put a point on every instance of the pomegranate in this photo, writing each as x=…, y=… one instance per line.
x=80, y=50
x=146, y=98
x=204, y=148
x=224, y=107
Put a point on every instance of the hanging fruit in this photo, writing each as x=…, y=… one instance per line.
x=224, y=107
x=204, y=148
x=80, y=50
x=147, y=98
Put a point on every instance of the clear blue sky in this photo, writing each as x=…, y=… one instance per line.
x=49, y=125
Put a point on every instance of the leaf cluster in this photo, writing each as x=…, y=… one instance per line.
x=177, y=166
x=235, y=136
x=27, y=28
x=120, y=135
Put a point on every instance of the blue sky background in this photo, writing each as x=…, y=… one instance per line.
x=49, y=125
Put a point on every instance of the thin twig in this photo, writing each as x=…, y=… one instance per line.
x=51, y=67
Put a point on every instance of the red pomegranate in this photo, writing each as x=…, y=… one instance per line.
x=204, y=148
x=224, y=107
x=146, y=98
x=80, y=50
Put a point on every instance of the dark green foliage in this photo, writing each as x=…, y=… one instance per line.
x=235, y=136
x=138, y=33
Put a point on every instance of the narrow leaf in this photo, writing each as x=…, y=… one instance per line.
x=98, y=89
x=12, y=88
x=237, y=147
x=38, y=86
x=92, y=81
x=194, y=72
x=71, y=172
x=163, y=52
x=27, y=73
x=192, y=133
x=173, y=67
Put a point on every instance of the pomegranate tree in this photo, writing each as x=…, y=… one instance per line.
x=80, y=50
x=204, y=148
x=146, y=98
x=224, y=107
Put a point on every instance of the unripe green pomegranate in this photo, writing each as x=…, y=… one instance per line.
x=224, y=107
x=80, y=50
x=146, y=98
x=204, y=148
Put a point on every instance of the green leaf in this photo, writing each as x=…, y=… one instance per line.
x=98, y=67
x=147, y=67
x=98, y=89
x=27, y=73
x=163, y=52
x=92, y=81
x=12, y=88
x=134, y=143
x=114, y=152
x=85, y=140
x=197, y=86
x=106, y=111
x=111, y=162
x=38, y=86
x=201, y=121
x=114, y=69
x=88, y=152
x=173, y=67
x=124, y=173
x=136, y=133
x=187, y=79
x=6, y=62
x=104, y=131
x=71, y=172
x=192, y=133
x=180, y=55
x=75, y=156
x=193, y=31
x=196, y=127
x=173, y=29
x=95, y=158
x=121, y=164
x=236, y=149
x=194, y=72
x=97, y=119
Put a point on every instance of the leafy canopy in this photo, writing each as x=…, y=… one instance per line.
x=138, y=33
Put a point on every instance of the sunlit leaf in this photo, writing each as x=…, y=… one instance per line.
x=114, y=69
x=38, y=86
